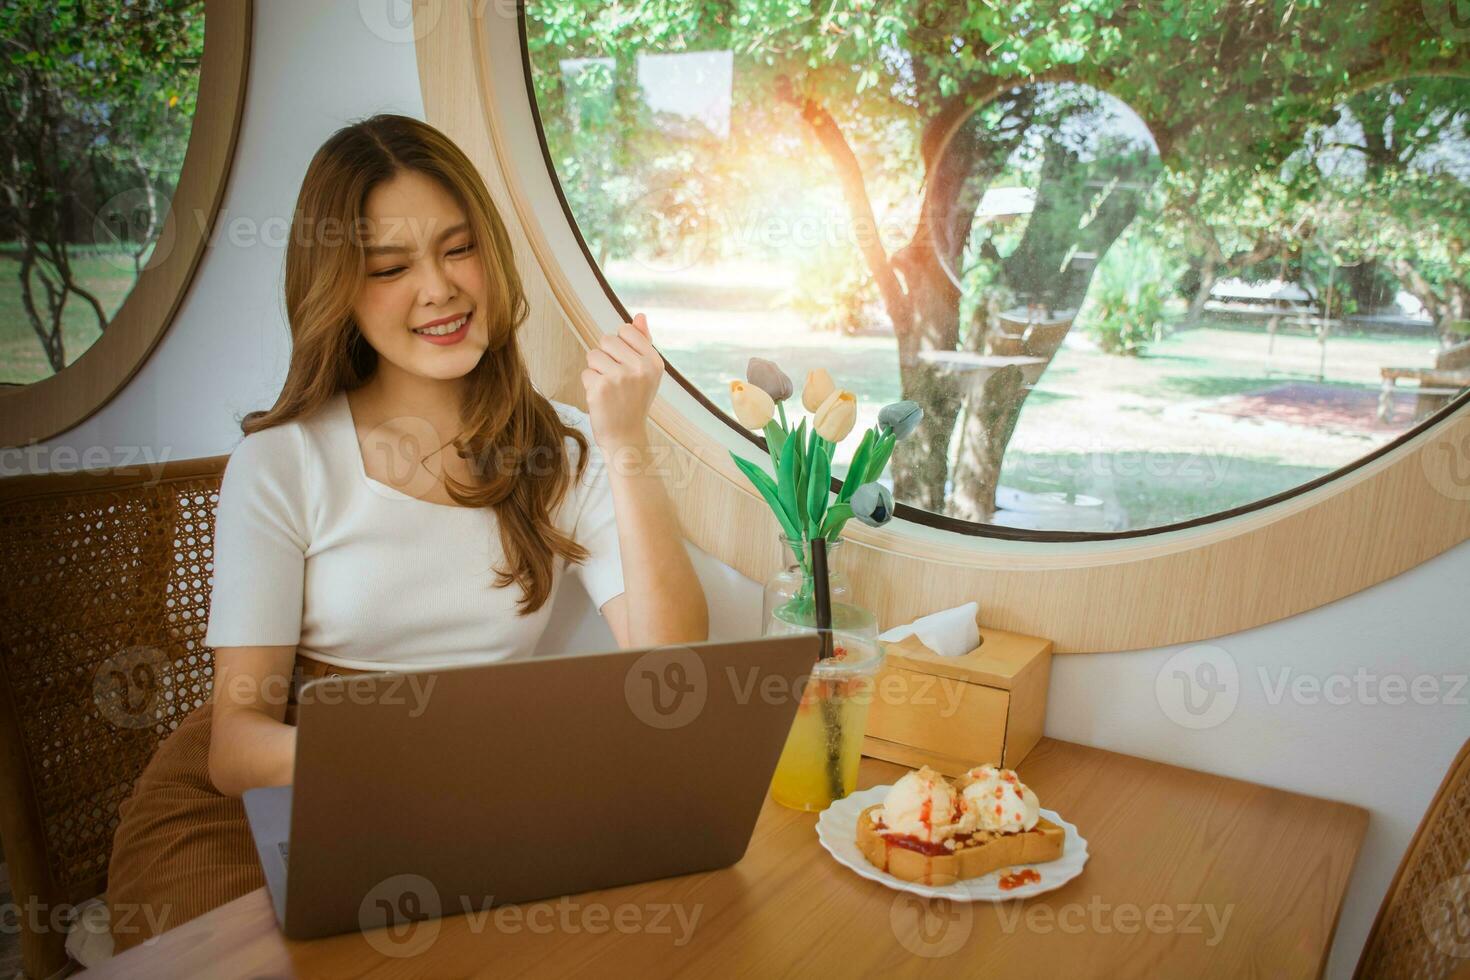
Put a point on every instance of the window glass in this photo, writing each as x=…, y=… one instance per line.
x=98, y=101
x=1140, y=264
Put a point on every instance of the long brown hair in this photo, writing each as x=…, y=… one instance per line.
x=506, y=420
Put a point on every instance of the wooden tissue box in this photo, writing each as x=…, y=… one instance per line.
x=951, y=713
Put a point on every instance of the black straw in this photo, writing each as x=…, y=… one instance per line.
x=831, y=718
x=823, y=596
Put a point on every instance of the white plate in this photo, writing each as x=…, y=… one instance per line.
x=837, y=830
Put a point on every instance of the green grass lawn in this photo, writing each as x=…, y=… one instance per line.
x=106, y=273
x=1141, y=490
x=1144, y=434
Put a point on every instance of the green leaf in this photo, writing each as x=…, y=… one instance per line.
x=798, y=476
x=856, y=472
x=767, y=487
x=837, y=515
x=775, y=437
x=819, y=484
x=786, y=481
x=881, y=452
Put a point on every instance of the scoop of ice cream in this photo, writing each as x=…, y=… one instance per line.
x=995, y=799
x=922, y=804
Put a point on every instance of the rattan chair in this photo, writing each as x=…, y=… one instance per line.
x=104, y=598
x=1423, y=927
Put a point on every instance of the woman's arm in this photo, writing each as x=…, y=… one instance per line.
x=249, y=742
x=662, y=601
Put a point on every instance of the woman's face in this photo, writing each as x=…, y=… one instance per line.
x=422, y=267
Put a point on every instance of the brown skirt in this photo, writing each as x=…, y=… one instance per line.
x=182, y=847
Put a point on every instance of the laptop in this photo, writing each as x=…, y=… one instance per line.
x=419, y=795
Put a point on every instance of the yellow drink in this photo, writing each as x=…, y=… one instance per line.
x=819, y=762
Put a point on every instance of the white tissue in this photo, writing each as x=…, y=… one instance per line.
x=949, y=632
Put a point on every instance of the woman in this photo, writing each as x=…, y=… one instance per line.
x=407, y=503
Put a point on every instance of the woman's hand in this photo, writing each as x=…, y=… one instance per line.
x=661, y=602
x=622, y=378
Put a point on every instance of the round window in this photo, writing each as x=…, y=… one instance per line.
x=1139, y=271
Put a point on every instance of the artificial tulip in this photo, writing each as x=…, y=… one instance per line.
x=766, y=376
x=900, y=418
x=818, y=386
x=753, y=407
x=872, y=503
x=835, y=416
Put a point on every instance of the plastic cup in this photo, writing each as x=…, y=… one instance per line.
x=819, y=762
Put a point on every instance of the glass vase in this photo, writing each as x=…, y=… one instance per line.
x=792, y=587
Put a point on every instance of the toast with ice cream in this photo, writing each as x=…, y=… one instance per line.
x=934, y=832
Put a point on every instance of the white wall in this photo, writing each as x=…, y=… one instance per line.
x=1330, y=740
x=315, y=66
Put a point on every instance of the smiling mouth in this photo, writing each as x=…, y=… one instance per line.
x=443, y=329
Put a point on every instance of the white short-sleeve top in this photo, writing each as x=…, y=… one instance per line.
x=310, y=551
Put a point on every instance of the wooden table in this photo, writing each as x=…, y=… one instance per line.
x=977, y=368
x=1443, y=382
x=1190, y=875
